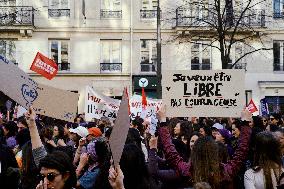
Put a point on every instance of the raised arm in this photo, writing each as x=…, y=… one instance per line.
x=172, y=156
x=233, y=166
x=38, y=149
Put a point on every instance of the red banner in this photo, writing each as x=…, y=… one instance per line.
x=252, y=107
x=44, y=66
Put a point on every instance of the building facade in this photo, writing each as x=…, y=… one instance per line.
x=110, y=44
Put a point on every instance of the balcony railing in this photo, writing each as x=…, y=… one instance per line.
x=278, y=67
x=148, y=14
x=63, y=66
x=201, y=66
x=240, y=66
x=56, y=13
x=16, y=16
x=147, y=67
x=278, y=15
x=111, y=67
x=117, y=14
x=194, y=17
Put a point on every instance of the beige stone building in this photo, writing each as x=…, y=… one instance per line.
x=109, y=44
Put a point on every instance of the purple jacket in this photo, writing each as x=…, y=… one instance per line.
x=228, y=170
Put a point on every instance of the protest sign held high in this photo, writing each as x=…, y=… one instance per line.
x=46, y=100
x=98, y=105
x=44, y=66
x=120, y=130
x=204, y=93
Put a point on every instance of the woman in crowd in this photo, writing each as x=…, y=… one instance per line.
x=224, y=136
x=56, y=172
x=10, y=131
x=267, y=165
x=193, y=139
x=92, y=161
x=205, y=165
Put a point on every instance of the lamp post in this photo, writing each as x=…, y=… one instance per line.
x=159, y=62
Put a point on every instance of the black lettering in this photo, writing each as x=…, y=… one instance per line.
x=185, y=92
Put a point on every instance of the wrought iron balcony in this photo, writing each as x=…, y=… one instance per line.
x=201, y=66
x=240, y=66
x=278, y=14
x=63, y=66
x=278, y=67
x=148, y=14
x=111, y=67
x=56, y=13
x=194, y=17
x=117, y=14
x=16, y=16
x=147, y=67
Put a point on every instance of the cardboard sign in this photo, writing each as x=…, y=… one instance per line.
x=204, y=93
x=98, y=105
x=46, y=100
x=44, y=66
x=120, y=130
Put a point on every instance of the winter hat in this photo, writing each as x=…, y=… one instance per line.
x=225, y=133
x=96, y=132
x=81, y=131
x=218, y=126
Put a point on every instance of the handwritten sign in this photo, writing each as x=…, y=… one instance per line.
x=204, y=93
x=98, y=105
x=46, y=100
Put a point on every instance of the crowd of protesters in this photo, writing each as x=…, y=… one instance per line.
x=201, y=153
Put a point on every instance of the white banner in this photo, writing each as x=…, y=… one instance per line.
x=98, y=105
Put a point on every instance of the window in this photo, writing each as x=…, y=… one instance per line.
x=148, y=55
x=237, y=51
x=200, y=56
x=8, y=2
x=278, y=8
x=111, y=56
x=111, y=9
x=278, y=56
x=149, y=9
x=59, y=50
x=58, y=8
x=8, y=50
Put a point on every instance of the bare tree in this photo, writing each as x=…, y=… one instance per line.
x=225, y=23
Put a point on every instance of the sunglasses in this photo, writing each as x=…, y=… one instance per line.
x=50, y=176
x=271, y=119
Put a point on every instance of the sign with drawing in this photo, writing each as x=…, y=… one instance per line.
x=204, y=93
x=46, y=100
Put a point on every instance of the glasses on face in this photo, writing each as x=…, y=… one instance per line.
x=50, y=176
x=264, y=120
x=272, y=118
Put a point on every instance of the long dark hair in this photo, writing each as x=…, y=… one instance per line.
x=134, y=168
x=11, y=127
x=267, y=156
x=205, y=160
x=60, y=131
x=185, y=130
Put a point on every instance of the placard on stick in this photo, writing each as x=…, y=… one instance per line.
x=204, y=93
x=120, y=130
x=46, y=100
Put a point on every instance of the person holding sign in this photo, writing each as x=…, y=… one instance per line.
x=205, y=165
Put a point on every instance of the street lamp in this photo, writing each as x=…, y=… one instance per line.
x=159, y=62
